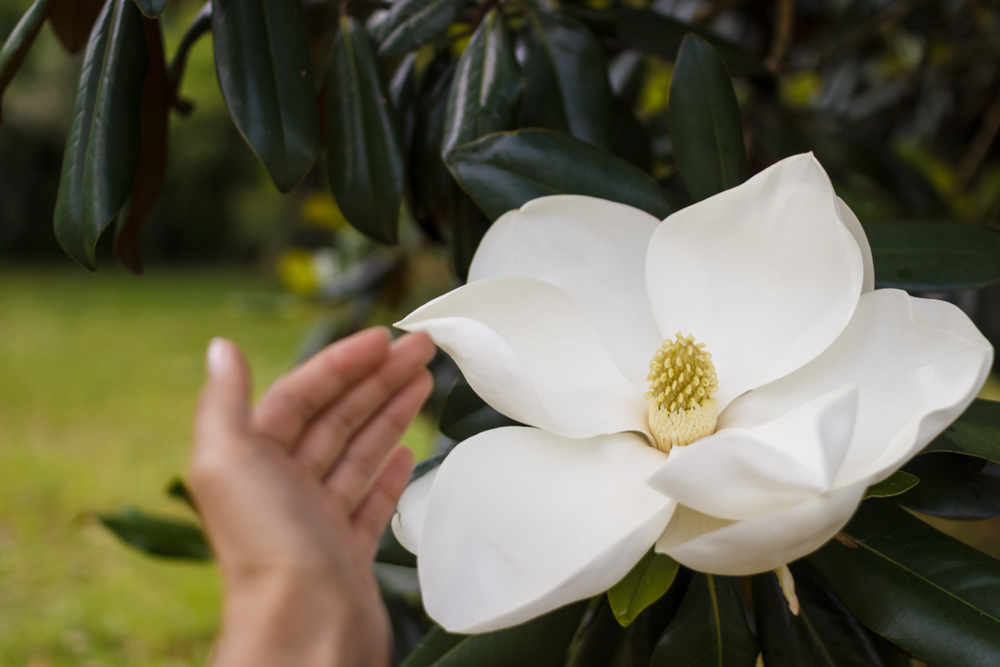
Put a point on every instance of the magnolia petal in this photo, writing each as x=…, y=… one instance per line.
x=521, y=522
x=857, y=231
x=411, y=509
x=764, y=273
x=918, y=363
x=594, y=250
x=529, y=350
x=742, y=473
x=766, y=542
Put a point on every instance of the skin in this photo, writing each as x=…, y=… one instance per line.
x=296, y=491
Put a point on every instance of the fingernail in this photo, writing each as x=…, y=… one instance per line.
x=217, y=356
x=385, y=331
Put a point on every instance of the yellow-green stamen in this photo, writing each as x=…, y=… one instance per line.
x=682, y=380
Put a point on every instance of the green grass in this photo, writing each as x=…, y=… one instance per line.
x=98, y=379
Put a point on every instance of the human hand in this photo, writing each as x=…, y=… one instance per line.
x=296, y=492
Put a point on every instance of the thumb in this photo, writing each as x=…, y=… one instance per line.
x=224, y=407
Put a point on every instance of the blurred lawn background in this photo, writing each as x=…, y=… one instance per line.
x=100, y=374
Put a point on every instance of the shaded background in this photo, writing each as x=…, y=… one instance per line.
x=99, y=372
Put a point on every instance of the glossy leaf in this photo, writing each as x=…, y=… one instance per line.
x=645, y=583
x=933, y=255
x=705, y=124
x=824, y=634
x=929, y=593
x=364, y=149
x=152, y=153
x=566, y=85
x=201, y=24
x=19, y=43
x=597, y=636
x=158, y=535
x=653, y=32
x=102, y=150
x=265, y=72
x=430, y=181
x=976, y=432
x=486, y=89
x=709, y=629
x=152, y=8
x=954, y=486
x=464, y=414
x=638, y=641
x=469, y=226
x=402, y=94
x=541, y=642
x=503, y=171
x=897, y=483
x=72, y=21
x=412, y=23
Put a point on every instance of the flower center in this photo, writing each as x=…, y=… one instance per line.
x=682, y=380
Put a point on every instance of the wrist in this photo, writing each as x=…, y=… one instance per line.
x=279, y=620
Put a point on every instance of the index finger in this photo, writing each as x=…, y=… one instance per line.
x=287, y=408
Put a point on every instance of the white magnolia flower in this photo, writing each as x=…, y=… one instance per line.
x=824, y=387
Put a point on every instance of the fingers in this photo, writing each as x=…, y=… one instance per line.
x=327, y=437
x=372, y=516
x=223, y=409
x=288, y=407
x=359, y=463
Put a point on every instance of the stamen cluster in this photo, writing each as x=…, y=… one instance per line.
x=683, y=379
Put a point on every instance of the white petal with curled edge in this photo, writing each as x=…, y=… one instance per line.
x=528, y=349
x=918, y=363
x=411, y=509
x=858, y=232
x=765, y=274
x=742, y=473
x=594, y=250
x=766, y=542
x=521, y=522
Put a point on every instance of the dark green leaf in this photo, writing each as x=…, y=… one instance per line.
x=976, y=432
x=469, y=226
x=638, y=641
x=631, y=139
x=412, y=23
x=158, y=535
x=897, y=483
x=541, y=642
x=392, y=552
x=645, y=583
x=151, y=8
x=19, y=42
x=402, y=93
x=933, y=255
x=503, y=171
x=566, y=83
x=710, y=628
x=705, y=125
x=429, y=177
x=262, y=59
x=954, y=486
x=102, y=150
x=597, y=636
x=627, y=73
x=72, y=21
x=364, y=151
x=152, y=153
x=929, y=593
x=824, y=634
x=201, y=24
x=179, y=490
x=656, y=33
x=464, y=414
x=486, y=89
